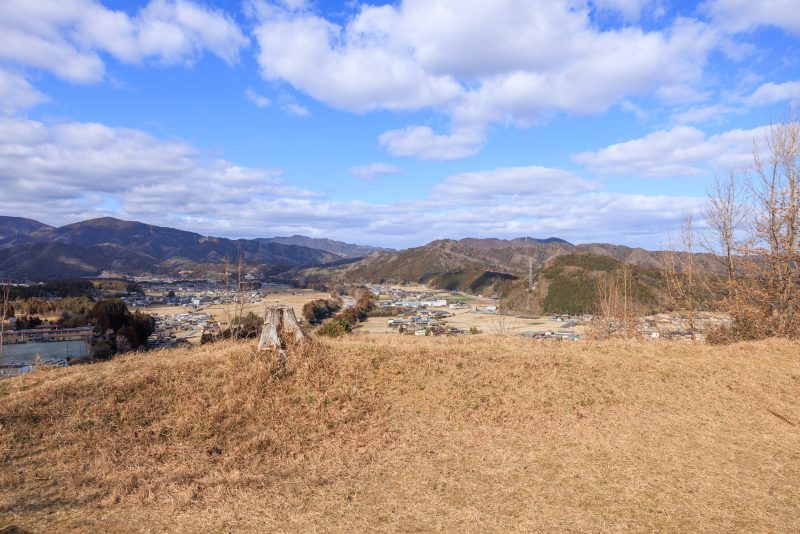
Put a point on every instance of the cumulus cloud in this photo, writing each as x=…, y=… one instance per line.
x=745, y=15
x=681, y=151
x=16, y=93
x=772, y=93
x=373, y=170
x=64, y=172
x=357, y=75
x=502, y=62
x=69, y=37
x=710, y=114
x=70, y=164
x=424, y=143
x=512, y=182
x=766, y=94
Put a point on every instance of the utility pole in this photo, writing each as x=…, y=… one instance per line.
x=530, y=266
x=530, y=273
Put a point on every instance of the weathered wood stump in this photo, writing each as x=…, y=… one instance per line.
x=280, y=330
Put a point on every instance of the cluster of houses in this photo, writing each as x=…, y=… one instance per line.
x=438, y=303
x=558, y=335
x=173, y=328
x=680, y=326
x=196, y=293
x=565, y=331
x=423, y=322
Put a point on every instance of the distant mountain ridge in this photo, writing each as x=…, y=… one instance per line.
x=345, y=250
x=30, y=250
x=421, y=264
x=33, y=250
x=500, y=267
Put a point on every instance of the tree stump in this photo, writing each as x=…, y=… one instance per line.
x=280, y=331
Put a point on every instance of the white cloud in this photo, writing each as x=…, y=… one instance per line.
x=298, y=110
x=373, y=170
x=357, y=75
x=772, y=93
x=681, y=151
x=629, y=107
x=257, y=99
x=512, y=182
x=422, y=142
x=68, y=37
x=746, y=15
x=71, y=171
x=71, y=163
x=504, y=62
x=714, y=113
x=735, y=104
x=180, y=30
x=16, y=93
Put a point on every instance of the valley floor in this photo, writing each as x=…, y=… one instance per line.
x=382, y=434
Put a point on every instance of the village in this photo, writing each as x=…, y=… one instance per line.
x=186, y=311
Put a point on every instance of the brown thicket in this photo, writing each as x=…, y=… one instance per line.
x=616, y=313
x=759, y=237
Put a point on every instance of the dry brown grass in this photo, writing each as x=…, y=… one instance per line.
x=410, y=434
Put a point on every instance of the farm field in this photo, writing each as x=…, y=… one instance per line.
x=296, y=299
x=486, y=323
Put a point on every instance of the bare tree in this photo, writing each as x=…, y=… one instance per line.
x=777, y=224
x=763, y=268
x=615, y=306
x=726, y=215
x=680, y=271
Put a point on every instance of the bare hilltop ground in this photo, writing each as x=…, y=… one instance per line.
x=381, y=433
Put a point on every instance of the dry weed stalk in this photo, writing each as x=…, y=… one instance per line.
x=502, y=324
x=5, y=293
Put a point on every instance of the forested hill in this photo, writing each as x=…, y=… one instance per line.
x=500, y=267
x=33, y=250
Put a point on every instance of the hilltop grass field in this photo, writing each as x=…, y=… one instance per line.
x=389, y=434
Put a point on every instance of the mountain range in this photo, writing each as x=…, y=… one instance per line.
x=565, y=277
x=31, y=250
x=430, y=262
x=340, y=248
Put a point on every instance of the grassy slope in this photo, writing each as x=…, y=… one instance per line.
x=389, y=434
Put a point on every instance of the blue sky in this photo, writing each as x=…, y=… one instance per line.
x=387, y=123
